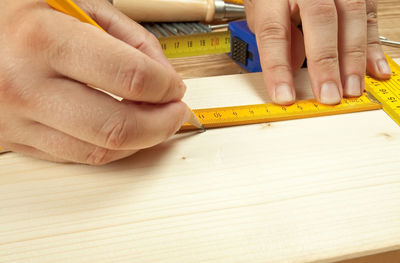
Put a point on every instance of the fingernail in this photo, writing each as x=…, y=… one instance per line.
x=283, y=94
x=353, y=86
x=383, y=67
x=329, y=93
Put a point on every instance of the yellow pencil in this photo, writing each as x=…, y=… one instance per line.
x=70, y=8
x=238, y=2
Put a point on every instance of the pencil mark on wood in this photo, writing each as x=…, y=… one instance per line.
x=386, y=135
x=266, y=125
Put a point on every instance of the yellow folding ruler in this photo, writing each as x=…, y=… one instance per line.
x=269, y=112
x=386, y=95
x=387, y=92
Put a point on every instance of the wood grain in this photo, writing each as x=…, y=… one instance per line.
x=388, y=257
x=314, y=190
x=389, y=21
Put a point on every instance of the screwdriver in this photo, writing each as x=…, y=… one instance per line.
x=179, y=10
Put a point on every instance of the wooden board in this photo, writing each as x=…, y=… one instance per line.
x=312, y=190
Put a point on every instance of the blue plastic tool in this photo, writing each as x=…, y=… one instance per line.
x=244, y=46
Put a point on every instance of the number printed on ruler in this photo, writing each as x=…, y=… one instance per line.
x=251, y=114
x=387, y=92
x=194, y=45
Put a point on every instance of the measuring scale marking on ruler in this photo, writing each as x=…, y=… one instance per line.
x=197, y=44
x=269, y=112
x=387, y=92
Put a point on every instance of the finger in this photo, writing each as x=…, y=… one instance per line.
x=98, y=119
x=91, y=56
x=377, y=65
x=249, y=8
x=297, y=41
x=60, y=145
x=30, y=151
x=273, y=33
x=352, y=45
x=297, y=49
x=320, y=29
x=122, y=27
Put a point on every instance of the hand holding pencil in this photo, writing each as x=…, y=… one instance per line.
x=50, y=62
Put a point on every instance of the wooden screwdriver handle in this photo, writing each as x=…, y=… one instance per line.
x=167, y=10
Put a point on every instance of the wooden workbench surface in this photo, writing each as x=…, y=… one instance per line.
x=314, y=190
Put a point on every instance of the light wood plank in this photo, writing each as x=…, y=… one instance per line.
x=310, y=190
x=388, y=257
x=298, y=191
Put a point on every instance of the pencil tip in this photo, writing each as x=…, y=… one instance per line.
x=196, y=122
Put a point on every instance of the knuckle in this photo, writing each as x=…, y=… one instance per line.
x=144, y=41
x=150, y=38
x=358, y=6
x=372, y=17
x=272, y=32
x=99, y=156
x=113, y=134
x=322, y=10
x=278, y=67
x=26, y=36
x=356, y=50
x=374, y=43
x=11, y=93
x=355, y=60
x=134, y=80
x=327, y=58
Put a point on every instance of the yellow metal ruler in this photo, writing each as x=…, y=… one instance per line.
x=197, y=44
